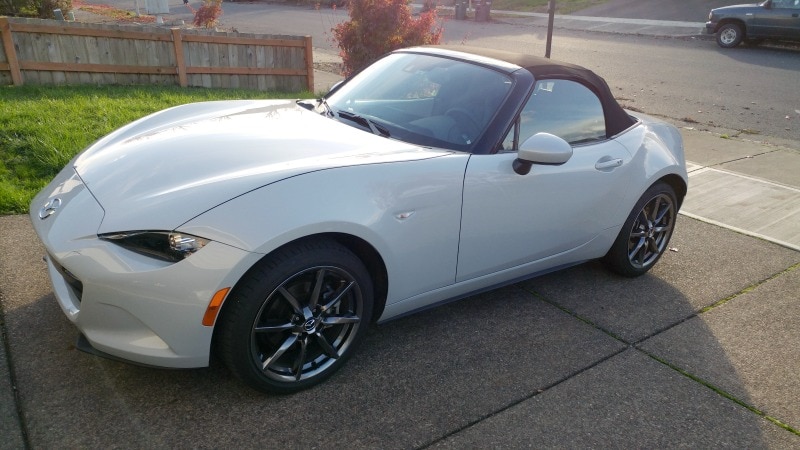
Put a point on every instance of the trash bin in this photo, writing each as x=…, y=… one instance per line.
x=461, y=10
x=482, y=11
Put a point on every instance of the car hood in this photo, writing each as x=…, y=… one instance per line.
x=736, y=9
x=166, y=168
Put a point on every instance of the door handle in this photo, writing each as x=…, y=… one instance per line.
x=607, y=163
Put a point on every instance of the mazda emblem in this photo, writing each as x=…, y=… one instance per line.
x=49, y=208
x=310, y=325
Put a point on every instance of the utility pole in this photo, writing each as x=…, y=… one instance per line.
x=552, y=13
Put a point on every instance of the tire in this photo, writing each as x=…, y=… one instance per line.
x=729, y=35
x=645, y=235
x=296, y=317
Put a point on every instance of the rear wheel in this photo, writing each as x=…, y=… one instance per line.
x=296, y=317
x=729, y=35
x=645, y=234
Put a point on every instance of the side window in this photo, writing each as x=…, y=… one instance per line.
x=790, y=4
x=564, y=108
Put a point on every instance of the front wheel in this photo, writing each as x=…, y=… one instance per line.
x=729, y=35
x=645, y=234
x=296, y=317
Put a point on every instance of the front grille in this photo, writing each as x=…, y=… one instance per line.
x=71, y=280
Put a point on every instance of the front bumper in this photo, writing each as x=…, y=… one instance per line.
x=128, y=305
x=711, y=27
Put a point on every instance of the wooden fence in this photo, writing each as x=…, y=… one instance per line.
x=37, y=51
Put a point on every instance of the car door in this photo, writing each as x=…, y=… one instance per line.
x=510, y=219
x=780, y=20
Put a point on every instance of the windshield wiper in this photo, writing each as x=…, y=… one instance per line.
x=363, y=121
x=328, y=110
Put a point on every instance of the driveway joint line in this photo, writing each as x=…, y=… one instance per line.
x=522, y=399
x=743, y=158
x=714, y=168
x=714, y=305
x=763, y=237
x=748, y=289
x=635, y=345
x=569, y=376
x=12, y=376
x=575, y=315
x=609, y=333
x=721, y=392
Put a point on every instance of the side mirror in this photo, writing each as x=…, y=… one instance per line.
x=542, y=148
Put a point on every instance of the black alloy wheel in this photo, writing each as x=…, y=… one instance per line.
x=297, y=317
x=646, y=233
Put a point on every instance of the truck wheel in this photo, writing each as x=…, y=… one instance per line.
x=729, y=35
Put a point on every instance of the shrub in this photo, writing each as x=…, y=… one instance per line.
x=12, y=7
x=42, y=9
x=377, y=27
x=208, y=14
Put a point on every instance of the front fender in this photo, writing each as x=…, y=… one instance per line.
x=409, y=212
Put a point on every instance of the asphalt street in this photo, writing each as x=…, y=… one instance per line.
x=701, y=352
x=682, y=11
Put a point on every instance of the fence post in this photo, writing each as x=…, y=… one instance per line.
x=11, y=54
x=179, y=60
x=309, y=63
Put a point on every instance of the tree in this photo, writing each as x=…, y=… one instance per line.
x=208, y=14
x=377, y=27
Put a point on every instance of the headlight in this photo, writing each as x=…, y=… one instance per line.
x=167, y=245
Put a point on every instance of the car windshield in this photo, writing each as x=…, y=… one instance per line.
x=422, y=99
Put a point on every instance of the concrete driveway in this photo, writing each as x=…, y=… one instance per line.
x=701, y=352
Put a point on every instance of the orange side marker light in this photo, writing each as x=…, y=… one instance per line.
x=213, y=307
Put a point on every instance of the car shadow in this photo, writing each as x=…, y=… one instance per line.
x=778, y=55
x=572, y=358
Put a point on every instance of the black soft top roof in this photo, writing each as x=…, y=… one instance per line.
x=617, y=120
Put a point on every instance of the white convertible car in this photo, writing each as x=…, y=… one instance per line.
x=272, y=233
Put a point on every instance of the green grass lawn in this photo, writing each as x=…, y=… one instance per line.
x=43, y=127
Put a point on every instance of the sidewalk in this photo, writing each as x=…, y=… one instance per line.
x=744, y=184
x=646, y=27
